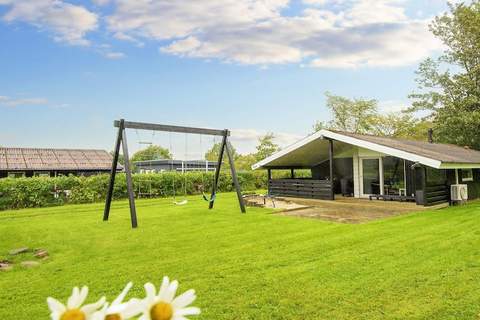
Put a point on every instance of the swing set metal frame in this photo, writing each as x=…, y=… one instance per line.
x=122, y=125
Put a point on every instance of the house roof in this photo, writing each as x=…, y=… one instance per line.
x=18, y=159
x=435, y=155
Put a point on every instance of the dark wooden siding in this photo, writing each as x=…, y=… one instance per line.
x=436, y=194
x=431, y=186
x=300, y=188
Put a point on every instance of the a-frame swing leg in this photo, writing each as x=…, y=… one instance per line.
x=217, y=172
x=131, y=197
x=113, y=172
x=235, y=178
x=121, y=139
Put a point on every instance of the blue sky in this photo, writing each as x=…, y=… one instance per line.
x=69, y=68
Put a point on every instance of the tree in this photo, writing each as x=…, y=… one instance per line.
x=351, y=115
x=266, y=147
x=362, y=116
x=212, y=154
x=400, y=125
x=245, y=162
x=153, y=152
x=121, y=158
x=449, y=86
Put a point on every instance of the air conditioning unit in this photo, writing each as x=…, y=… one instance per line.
x=459, y=192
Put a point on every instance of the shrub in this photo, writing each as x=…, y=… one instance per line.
x=45, y=191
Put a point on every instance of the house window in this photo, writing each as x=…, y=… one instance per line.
x=41, y=174
x=467, y=175
x=436, y=177
x=19, y=174
x=393, y=176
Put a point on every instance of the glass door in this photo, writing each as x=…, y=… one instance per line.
x=370, y=179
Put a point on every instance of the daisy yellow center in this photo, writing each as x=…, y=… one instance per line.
x=161, y=311
x=114, y=316
x=73, y=314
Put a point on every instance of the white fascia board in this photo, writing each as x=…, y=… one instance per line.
x=437, y=164
x=453, y=165
x=383, y=149
x=292, y=147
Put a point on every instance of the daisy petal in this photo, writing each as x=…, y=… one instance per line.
x=170, y=293
x=190, y=311
x=150, y=291
x=184, y=299
x=82, y=296
x=144, y=317
x=55, y=306
x=92, y=307
x=132, y=308
x=72, y=301
x=122, y=295
x=164, y=286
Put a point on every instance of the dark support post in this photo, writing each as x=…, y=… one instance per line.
x=330, y=159
x=235, y=178
x=131, y=197
x=113, y=173
x=269, y=178
x=217, y=172
x=292, y=173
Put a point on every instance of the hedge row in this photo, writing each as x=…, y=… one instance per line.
x=44, y=191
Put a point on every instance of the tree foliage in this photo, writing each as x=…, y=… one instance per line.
x=449, y=86
x=121, y=158
x=212, y=154
x=351, y=115
x=266, y=147
x=152, y=152
x=363, y=116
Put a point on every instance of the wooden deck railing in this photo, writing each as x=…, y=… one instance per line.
x=300, y=188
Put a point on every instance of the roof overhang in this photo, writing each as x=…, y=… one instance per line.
x=296, y=148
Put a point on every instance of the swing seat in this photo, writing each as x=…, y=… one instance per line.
x=208, y=199
x=180, y=203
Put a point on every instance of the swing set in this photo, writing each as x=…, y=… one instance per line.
x=122, y=125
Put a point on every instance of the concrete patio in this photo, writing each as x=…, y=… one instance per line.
x=347, y=209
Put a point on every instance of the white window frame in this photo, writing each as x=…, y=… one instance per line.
x=469, y=178
x=41, y=174
x=13, y=174
x=380, y=168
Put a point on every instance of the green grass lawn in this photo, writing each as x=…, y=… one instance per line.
x=253, y=266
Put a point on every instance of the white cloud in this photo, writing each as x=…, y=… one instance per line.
x=114, y=55
x=324, y=33
x=101, y=2
x=362, y=33
x=376, y=11
x=17, y=102
x=69, y=23
x=245, y=140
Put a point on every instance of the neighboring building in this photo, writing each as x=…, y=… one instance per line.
x=366, y=166
x=163, y=165
x=29, y=162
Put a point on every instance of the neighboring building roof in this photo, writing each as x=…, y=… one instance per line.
x=435, y=155
x=17, y=159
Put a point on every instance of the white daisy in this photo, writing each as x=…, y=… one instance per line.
x=74, y=309
x=164, y=305
x=119, y=310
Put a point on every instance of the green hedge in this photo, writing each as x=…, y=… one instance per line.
x=43, y=191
